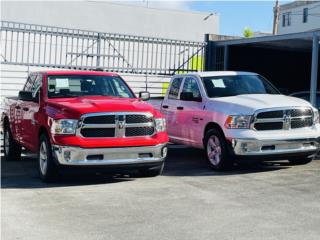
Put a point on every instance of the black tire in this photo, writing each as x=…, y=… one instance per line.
x=49, y=172
x=151, y=172
x=12, y=149
x=221, y=159
x=300, y=160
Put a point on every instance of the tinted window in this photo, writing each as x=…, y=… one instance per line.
x=37, y=84
x=87, y=85
x=224, y=86
x=174, y=89
x=29, y=83
x=190, y=85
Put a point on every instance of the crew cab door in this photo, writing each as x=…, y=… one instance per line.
x=20, y=128
x=170, y=111
x=29, y=111
x=191, y=113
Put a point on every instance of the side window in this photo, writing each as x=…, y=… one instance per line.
x=174, y=89
x=190, y=85
x=37, y=84
x=29, y=83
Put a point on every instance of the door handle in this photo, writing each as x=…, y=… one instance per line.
x=165, y=106
x=25, y=109
x=180, y=108
x=17, y=107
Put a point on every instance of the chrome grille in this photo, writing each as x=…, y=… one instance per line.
x=278, y=119
x=116, y=125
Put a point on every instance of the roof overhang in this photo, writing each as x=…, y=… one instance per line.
x=294, y=41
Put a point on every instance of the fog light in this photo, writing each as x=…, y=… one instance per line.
x=67, y=155
x=164, y=152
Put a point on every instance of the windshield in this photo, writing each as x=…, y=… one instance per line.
x=224, y=86
x=87, y=85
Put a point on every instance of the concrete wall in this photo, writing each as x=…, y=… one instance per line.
x=297, y=25
x=113, y=18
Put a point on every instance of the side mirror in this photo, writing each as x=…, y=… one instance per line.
x=188, y=96
x=26, y=96
x=144, y=96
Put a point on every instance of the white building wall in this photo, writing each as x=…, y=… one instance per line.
x=113, y=18
x=297, y=24
x=102, y=17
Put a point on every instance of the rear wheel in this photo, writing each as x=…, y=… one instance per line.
x=12, y=150
x=48, y=170
x=216, y=150
x=300, y=160
x=151, y=172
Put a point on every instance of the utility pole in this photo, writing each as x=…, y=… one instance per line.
x=275, y=18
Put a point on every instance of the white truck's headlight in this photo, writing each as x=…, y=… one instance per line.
x=64, y=126
x=160, y=124
x=238, y=121
x=315, y=116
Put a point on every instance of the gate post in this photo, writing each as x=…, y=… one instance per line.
x=226, y=58
x=98, y=49
x=314, y=69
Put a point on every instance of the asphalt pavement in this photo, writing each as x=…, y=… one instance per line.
x=189, y=201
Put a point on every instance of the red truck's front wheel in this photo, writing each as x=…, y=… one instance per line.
x=47, y=168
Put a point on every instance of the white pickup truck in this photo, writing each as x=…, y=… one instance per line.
x=236, y=115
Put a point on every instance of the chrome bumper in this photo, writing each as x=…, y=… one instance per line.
x=254, y=147
x=76, y=156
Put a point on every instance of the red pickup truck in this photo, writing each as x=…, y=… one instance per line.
x=84, y=119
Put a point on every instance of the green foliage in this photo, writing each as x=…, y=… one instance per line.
x=247, y=32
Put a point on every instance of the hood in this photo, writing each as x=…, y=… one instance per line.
x=75, y=107
x=249, y=103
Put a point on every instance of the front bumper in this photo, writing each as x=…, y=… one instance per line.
x=76, y=156
x=254, y=147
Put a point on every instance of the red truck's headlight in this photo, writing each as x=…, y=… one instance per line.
x=64, y=126
x=160, y=124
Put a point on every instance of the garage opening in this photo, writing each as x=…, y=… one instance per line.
x=289, y=61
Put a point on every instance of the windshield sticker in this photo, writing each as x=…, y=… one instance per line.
x=62, y=83
x=218, y=83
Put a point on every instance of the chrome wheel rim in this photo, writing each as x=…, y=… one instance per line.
x=6, y=142
x=214, y=150
x=43, y=158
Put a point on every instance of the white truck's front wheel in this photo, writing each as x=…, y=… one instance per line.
x=216, y=150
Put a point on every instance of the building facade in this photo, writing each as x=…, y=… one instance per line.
x=113, y=18
x=299, y=16
x=144, y=44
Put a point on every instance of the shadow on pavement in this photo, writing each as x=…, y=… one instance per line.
x=23, y=174
x=182, y=161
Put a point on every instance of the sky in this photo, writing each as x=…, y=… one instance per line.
x=234, y=15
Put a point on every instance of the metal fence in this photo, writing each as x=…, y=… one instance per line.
x=46, y=46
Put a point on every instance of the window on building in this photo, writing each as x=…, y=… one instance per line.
x=305, y=15
x=286, y=19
